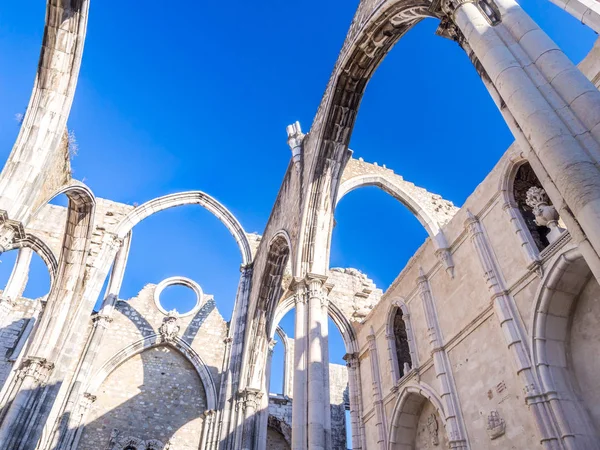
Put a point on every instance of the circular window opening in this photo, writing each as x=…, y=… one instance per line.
x=179, y=298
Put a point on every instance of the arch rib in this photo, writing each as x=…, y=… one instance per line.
x=189, y=198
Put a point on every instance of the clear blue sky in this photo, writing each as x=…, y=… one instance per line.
x=198, y=97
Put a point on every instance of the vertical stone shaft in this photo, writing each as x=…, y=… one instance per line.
x=299, y=405
x=227, y=417
x=63, y=435
x=354, y=386
x=19, y=275
x=455, y=424
x=316, y=366
x=512, y=331
x=381, y=424
x=562, y=124
x=326, y=393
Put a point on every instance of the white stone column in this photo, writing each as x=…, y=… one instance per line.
x=514, y=335
x=326, y=385
x=317, y=322
x=356, y=408
x=443, y=370
x=251, y=401
x=299, y=405
x=381, y=424
x=19, y=275
x=554, y=106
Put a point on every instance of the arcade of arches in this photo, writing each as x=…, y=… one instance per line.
x=484, y=340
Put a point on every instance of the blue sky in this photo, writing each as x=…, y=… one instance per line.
x=198, y=97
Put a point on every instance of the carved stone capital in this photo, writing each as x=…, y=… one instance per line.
x=351, y=360
x=250, y=398
x=37, y=368
x=87, y=400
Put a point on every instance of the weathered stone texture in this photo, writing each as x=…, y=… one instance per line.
x=154, y=395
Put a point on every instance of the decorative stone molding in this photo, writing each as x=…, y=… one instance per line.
x=295, y=139
x=445, y=257
x=117, y=442
x=37, y=368
x=87, y=400
x=496, y=426
x=250, y=398
x=169, y=330
x=545, y=213
x=102, y=320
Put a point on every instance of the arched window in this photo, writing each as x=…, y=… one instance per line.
x=525, y=179
x=401, y=341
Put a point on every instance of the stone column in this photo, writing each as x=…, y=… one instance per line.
x=19, y=275
x=555, y=107
x=299, y=408
x=354, y=393
x=27, y=387
x=228, y=416
x=101, y=322
x=317, y=322
x=454, y=422
x=206, y=442
x=326, y=387
x=251, y=401
x=381, y=424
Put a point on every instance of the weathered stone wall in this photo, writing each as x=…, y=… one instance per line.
x=583, y=345
x=154, y=395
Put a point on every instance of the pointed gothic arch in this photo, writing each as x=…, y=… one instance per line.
x=405, y=415
x=153, y=341
x=398, y=310
x=189, y=198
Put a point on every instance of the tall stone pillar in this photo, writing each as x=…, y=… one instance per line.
x=299, y=405
x=317, y=323
x=553, y=105
x=381, y=423
x=251, y=399
x=354, y=387
x=19, y=275
x=325, y=346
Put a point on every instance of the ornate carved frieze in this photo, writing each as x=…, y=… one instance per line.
x=118, y=442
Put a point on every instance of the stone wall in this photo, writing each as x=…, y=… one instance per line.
x=154, y=395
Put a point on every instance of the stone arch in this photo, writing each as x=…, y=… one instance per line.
x=554, y=314
x=49, y=106
x=431, y=210
x=288, y=365
x=153, y=341
x=39, y=246
x=371, y=36
x=406, y=412
x=189, y=198
x=268, y=291
x=396, y=306
x=70, y=283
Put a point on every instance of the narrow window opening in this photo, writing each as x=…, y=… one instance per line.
x=525, y=179
x=401, y=340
